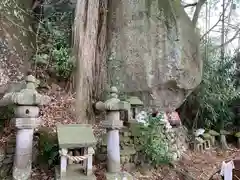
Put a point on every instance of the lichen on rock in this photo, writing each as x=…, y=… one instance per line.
x=154, y=51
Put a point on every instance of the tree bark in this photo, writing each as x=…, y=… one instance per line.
x=89, y=47
x=197, y=11
x=223, y=142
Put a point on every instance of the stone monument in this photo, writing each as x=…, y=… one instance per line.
x=26, y=111
x=113, y=106
x=76, y=150
x=136, y=104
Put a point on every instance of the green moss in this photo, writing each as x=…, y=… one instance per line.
x=207, y=136
x=213, y=133
x=237, y=135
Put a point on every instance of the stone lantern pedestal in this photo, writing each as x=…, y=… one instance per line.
x=113, y=106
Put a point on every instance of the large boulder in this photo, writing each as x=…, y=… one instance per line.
x=16, y=41
x=154, y=51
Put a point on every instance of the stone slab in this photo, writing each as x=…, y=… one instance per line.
x=75, y=136
x=72, y=174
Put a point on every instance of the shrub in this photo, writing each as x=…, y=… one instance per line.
x=156, y=146
x=53, y=44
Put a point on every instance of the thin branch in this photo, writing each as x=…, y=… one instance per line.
x=190, y=5
x=229, y=41
x=216, y=24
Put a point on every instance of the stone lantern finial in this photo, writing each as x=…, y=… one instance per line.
x=31, y=82
x=30, y=78
x=114, y=92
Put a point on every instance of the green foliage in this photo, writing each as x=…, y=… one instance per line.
x=53, y=44
x=156, y=146
x=6, y=113
x=64, y=63
x=211, y=101
x=49, y=150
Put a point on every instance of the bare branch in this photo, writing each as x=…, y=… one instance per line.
x=190, y=5
x=229, y=41
x=197, y=11
x=216, y=24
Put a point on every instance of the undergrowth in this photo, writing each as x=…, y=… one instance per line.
x=210, y=104
x=49, y=149
x=53, y=44
x=156, y=147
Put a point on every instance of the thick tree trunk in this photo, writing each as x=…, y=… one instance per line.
x=89, y=47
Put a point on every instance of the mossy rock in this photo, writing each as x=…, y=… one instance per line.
x=237, y=135
x=127, y=151
x=224, y=132
x=213, y=133
x=206, y=136
x=199, y=140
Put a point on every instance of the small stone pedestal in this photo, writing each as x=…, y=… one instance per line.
x=113, y=106
x=76, y=150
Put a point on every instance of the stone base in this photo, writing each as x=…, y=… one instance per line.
x=73, y=174
x=119, y=176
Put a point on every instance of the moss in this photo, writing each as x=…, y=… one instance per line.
x=213, y=133
x=237, y=135
x=207, y=136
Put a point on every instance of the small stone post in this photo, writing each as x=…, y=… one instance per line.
x=113, y=123
x=26, y=113
x=89, y=168
x=63, y=165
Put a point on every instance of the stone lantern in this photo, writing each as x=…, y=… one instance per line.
x=113, y=106
x=76, y=142
x=136, y=104
x=26, y=103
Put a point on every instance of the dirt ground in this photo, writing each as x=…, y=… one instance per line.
x=193, y=166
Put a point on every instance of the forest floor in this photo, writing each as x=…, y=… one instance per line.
x=192, y=166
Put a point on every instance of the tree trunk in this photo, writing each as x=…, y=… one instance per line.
x=197, y=11
x=89, y=48
x=223, y=142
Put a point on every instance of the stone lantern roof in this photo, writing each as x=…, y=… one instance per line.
x=135, y=101
x=75, y=136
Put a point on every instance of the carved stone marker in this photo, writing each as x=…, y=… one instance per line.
x=76, y=149
x=26, y=112
x=113, y=123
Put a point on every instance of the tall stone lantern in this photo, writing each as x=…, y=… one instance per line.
x=27, y=102
x=113, y=106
